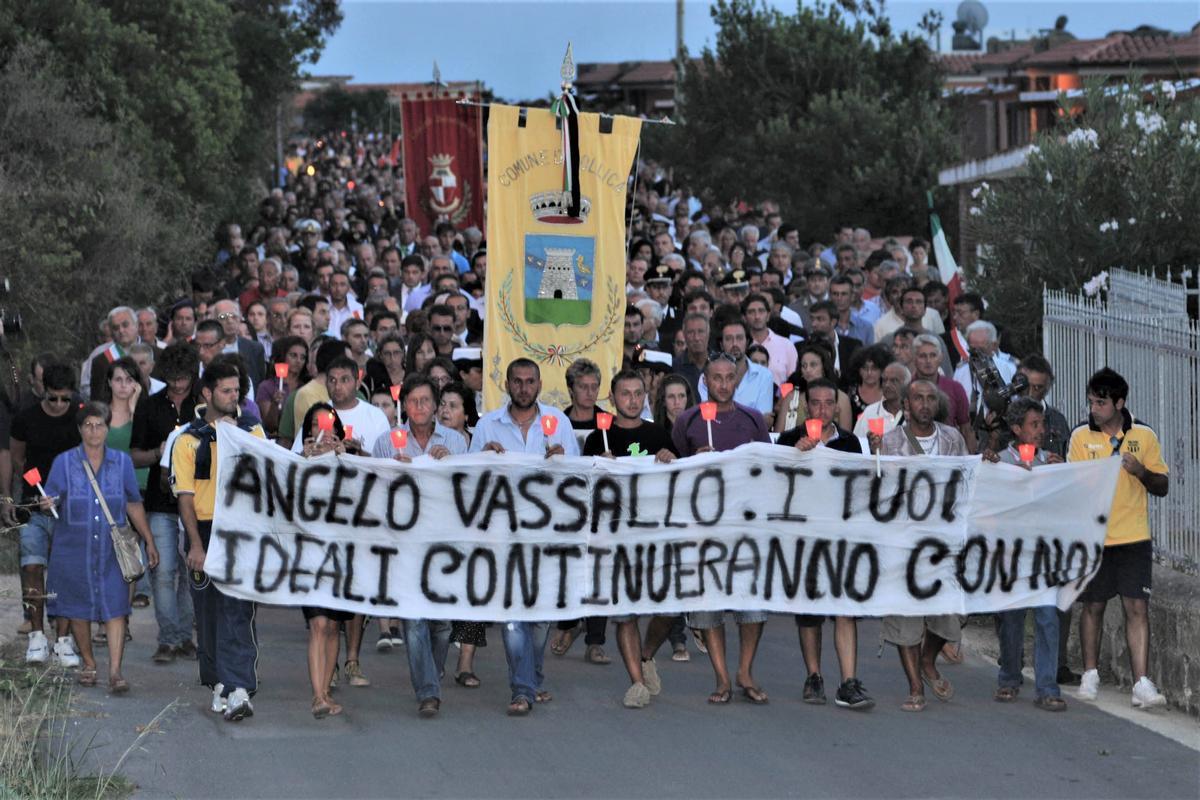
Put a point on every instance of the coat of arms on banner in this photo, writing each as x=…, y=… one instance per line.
x=445, y=198
x=559, y=274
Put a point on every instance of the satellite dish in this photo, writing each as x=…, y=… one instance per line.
x=973, y=13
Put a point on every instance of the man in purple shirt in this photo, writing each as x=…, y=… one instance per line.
x=734, y=425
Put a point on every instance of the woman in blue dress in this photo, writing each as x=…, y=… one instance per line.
x=84, y=578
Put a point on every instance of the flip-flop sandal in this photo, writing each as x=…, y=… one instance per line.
x=87, y=677
x=942, y=689
x=542, y=696
x=468, y=680
x=1051, y=703
x=595, y=655
x=720, y=698
x=321, y=709
x=519, y=707
x=914, y=703
x=952, y=652
x=1005, y=694
x=118, y=685
x=560, y=647
x=754, y=694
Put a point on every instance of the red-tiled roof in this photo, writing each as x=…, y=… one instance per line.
x=1119, y=48
x=598, y=74
x=959, y=63
x=1005, y=58
x=651, y=72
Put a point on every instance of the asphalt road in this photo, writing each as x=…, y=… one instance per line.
x=586, y=744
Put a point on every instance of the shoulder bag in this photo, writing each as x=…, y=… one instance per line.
x=124, y=537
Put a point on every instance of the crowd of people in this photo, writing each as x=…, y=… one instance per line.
x=333, y=324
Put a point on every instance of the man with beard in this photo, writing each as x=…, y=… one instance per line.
x=515, y=427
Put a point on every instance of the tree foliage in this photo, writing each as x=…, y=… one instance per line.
x=825, y=110
x=131, y=127
x=1116, y=184
x=335, y=108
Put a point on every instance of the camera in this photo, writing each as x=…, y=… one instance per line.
x=996, y=393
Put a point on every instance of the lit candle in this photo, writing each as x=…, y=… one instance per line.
x=349, y=432
x=604, y=422
x=34, y=478
x=396, y=392
x=785, y=389
x=324, y=425
x=875, y=425
x=281, y=372
x=708, y=411
x=400, y=440
x=1027, y=452
x=813, y=428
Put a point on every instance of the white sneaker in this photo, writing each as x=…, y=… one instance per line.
x=218, y=702
x=1147, y=695
x=38, y=650
x=239, y=706
x=1089, y=685
x=64, y=653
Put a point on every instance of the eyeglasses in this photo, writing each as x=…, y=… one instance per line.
x=58, y=398
x=94, y=426
x=228, y=315
x=722, y=356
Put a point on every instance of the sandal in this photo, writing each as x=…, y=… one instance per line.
x=542, y=696
x=1048, y=703
x=595, y=655
x=698, y=638
x=952, y=652
x=1006, y=694
x=754, y=694
x=118, y=685
x=87, y=677
x=565, y=640
x=320, y=708
x=915, y=702
x=720, y=697
x=468, y=680
x=942, y=689
x=519, y=707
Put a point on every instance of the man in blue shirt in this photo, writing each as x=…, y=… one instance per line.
x=517, y=427
x=756, y=386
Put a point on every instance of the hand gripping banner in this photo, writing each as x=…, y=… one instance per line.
x=520, y=537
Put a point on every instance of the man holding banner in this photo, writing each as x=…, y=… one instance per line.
x=920, y=639
x=525, y=426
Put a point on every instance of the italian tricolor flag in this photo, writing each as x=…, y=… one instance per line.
x=947, y=268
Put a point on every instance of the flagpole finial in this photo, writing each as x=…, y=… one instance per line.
x=437, y=74
x=568, y=72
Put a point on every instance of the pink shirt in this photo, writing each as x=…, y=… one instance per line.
x=782, y=355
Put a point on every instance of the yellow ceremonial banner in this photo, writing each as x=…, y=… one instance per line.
x=555, y=284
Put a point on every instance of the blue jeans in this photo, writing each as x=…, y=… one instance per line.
x=525, y=650
x=426, y=642
x=169, y=580
x=35, y=540
x=143, y=585
x=1045, y=649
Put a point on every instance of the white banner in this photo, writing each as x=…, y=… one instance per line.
x=518, y=537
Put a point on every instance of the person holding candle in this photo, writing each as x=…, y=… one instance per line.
x=583, y=384
x=84, y=576
x=754, y=387
x=1027, y=421
x=821, y=398
x=39, y=434
x=733, y=424
x=428, y=640
x=518, y=427
x=627, y=434
x=920, y=639
x=289, y=371
x=890, y=408
x=226, y=644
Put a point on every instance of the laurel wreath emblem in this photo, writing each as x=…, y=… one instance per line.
x=558, y=354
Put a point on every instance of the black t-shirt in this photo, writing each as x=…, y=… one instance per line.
x=44, y=437
x=582, y=424
x=649, y=438
x=153, y=420
x=845, y=441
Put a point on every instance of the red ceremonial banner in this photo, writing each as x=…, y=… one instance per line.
x=443, y=163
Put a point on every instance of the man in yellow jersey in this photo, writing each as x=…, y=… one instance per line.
x=1111, y=431
x=226, y=645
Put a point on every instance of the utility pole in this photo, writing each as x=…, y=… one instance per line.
x=679, y=32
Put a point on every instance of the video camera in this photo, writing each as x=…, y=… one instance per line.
x=996, y=393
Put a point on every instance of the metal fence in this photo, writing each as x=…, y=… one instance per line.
x=1158, y=352
x=1139, y=294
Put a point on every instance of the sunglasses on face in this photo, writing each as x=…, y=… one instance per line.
x=722, y=356
x=58, y=398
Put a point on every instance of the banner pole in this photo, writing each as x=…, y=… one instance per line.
x=663, y=121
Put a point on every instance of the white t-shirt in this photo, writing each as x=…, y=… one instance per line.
x=929, y=443
x=369, y=424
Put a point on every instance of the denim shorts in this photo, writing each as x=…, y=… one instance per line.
x=707, y=620
x=35, y=539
